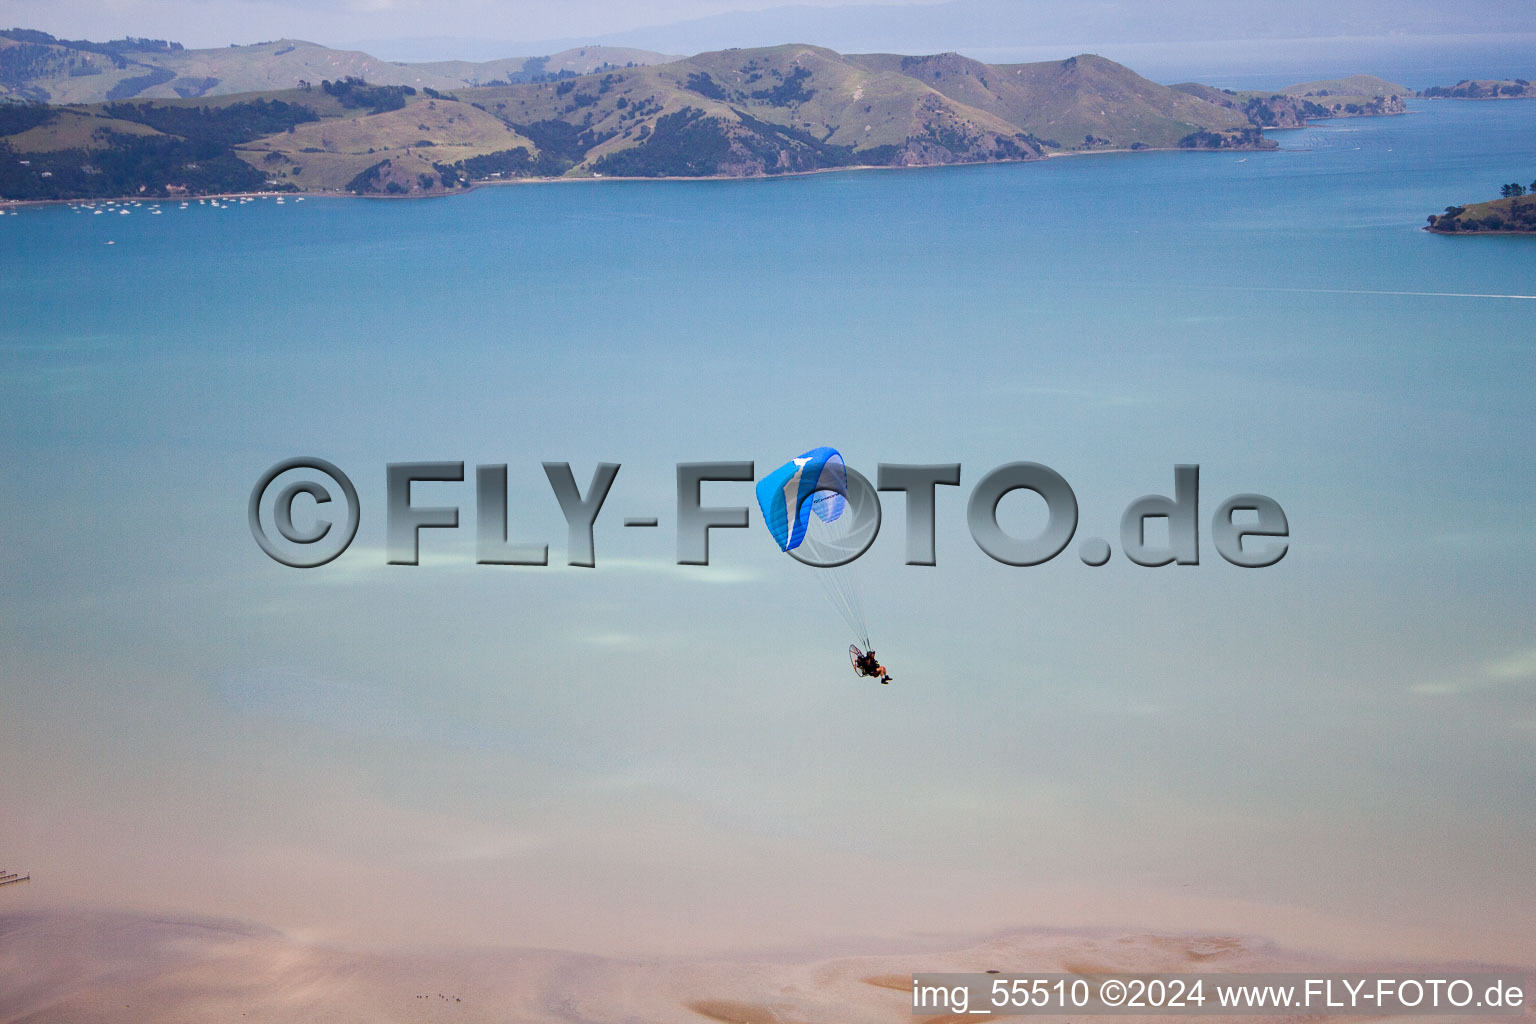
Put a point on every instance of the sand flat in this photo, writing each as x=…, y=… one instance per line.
x=81, y=968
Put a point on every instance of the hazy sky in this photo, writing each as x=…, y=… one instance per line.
x=480, y=29
x=203, y=23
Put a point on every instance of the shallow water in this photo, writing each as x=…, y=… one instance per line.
x=647, y=756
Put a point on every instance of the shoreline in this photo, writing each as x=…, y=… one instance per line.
x=1474, y=99
x=494, y=182
x=8, y=203
x=1474, y=234
x=498, y=182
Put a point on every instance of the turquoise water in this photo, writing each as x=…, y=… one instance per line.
x=1350, y=732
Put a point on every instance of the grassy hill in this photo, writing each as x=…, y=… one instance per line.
x=746, y=112
x=741, y=112
x=1085, y=102
x=36, y=66
x=1354, y=85
x=1262, y=110
x=1511, y=215
x=1355, y=95
x=74, y=129
x=1293, y=106
x=327, y=154
x=508, y=70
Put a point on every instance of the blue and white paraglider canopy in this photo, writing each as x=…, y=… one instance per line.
x=817, y=482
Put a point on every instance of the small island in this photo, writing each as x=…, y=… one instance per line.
x=1481, y=89
x=1514, y=214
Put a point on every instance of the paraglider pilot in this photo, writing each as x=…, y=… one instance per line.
x=870, y=666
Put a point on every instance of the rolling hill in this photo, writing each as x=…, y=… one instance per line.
x=1084, y=102
x=1293, y=106
x=737, y=113
x=1355, y=95
x=579, y=61
x=36, y=66
x=780, y=109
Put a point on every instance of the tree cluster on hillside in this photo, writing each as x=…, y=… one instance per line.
x=194, y=153
x=363, y=180
x=366, y=179
x=684, y=144
x=21, y=63
x=40, y=55
x=147, y=165
x=1246, y=138
x=1515, y=212
x=562, y=145
x=128, y=44
x=189, y=87
x=509, y=163
x=1266, y=113
x=790, y=91
x=135, y=84
x=356, y=93
x=228, y=125
x=689, y=143
x=704, y=84
x=18, y=117
x=1469, y=90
